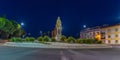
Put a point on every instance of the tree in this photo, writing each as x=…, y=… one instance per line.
x=16, y=26
x=7, y=29
x=63, y=38
x=2, y=22
x=10, y=28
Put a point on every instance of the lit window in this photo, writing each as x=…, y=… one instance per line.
x=116, y=29
x=109, y=30
x=109, y=41
x=116, y=35
x=109, y=36
x=116, y=41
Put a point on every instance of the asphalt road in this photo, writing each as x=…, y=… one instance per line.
x=15, y=53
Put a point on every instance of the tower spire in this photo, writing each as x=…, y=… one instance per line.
x=58, y=29
x=58, y=18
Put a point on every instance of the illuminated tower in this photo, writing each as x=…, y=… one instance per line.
x=58, y=29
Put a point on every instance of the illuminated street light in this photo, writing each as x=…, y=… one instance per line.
x=40, y=32
x=22, y=24
x=84, y=26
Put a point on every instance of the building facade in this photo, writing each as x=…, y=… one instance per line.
x=107, y=34
x=91, y=33
x=112, y=34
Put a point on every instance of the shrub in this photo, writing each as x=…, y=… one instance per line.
x=63, y=38
x=16, y=39
x=26, y=39
x=71, y=40
x=19, y=39
x=99, y=42
x=53, y=40
x=91, y=41
x=40, y=39
x=88, y=41
x=12, y=40
x=46, y=39
x=95, y=41
x=30, y=39
x=79, y=41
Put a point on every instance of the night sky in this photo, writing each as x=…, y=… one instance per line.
x=42, y=14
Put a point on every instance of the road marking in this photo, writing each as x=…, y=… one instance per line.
x=63, y=57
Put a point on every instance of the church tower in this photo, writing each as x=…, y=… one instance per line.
x=58, y=29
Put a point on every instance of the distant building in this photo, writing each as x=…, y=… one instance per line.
x=54, y=32
x=112, y=34
x=107, y=34
x=91, y=33
x=57, y=32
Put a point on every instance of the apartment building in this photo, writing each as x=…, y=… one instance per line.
x=107, y=34
x=112, y=34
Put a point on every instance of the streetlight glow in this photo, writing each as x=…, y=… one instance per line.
x=22, y=23
x=84, y=26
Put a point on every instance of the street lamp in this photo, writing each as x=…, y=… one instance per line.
x=84, y=26
x=29, y=34
x=40, y=32
x=22, y=24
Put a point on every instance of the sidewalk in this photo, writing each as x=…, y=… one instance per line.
x=56, y=45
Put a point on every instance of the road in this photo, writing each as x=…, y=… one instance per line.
x=15, y=53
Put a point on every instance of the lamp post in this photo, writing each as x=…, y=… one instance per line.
x=29, y=34
x=40, y=32
x=84, y=26
x=22, y=24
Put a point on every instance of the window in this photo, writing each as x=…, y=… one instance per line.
x=109, y=30
x=109, y=36
x=109, y=41
x=116, y=41
x=98, y=33
x=116, y=29
x=116, y=35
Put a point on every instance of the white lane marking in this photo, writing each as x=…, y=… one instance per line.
x=63, y=57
